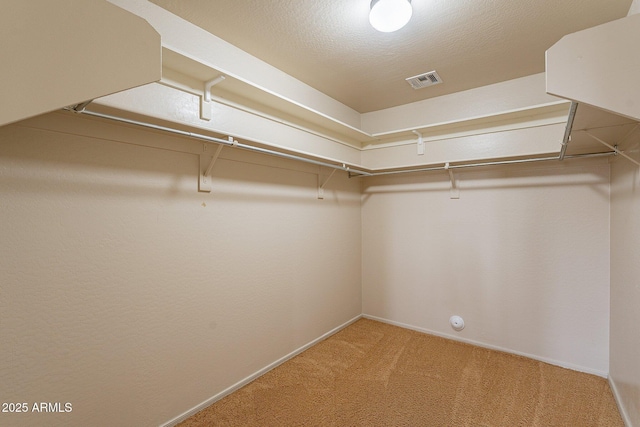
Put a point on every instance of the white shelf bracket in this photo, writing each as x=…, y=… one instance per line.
x=321, y=185
x=454, y=191
x=420, y=143
x=615, y=147
x=205, y=101
x=206, y=166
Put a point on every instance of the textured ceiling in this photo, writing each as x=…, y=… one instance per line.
x=330, y=45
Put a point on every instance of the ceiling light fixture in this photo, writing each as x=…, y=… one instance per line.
x=390, y=15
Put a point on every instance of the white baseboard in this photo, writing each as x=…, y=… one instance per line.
x=578, y=368
x=294, y=353
x=255, y=375
x=618, y=399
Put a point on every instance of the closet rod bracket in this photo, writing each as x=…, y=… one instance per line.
x=615, y=147
x=79, y=108
x=420, y=143
x=454, y=192
x=205, y=101
x=321, y=185
x=207, y=161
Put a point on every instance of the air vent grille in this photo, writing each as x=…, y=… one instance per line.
x=425, y=79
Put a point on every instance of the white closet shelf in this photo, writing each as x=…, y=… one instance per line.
x=91, y=59
x=189, y=75
x=599, y=66
x=354, y=170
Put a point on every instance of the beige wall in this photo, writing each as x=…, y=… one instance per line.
x=522, y=256
x=624, y=370
x=134, y=297
x=625, y=288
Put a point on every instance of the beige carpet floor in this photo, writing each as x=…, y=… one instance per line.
x=375, y=374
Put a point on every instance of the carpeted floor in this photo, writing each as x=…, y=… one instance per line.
x=374, y=374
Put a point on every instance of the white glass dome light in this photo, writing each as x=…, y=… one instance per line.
x=390, y=15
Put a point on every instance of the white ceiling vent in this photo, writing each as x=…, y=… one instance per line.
x=425, y=79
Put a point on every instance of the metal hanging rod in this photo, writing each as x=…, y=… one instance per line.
x=231, y=142
x=444, y=167
x=353, y=172
x=615, y=147
x=567, y=130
